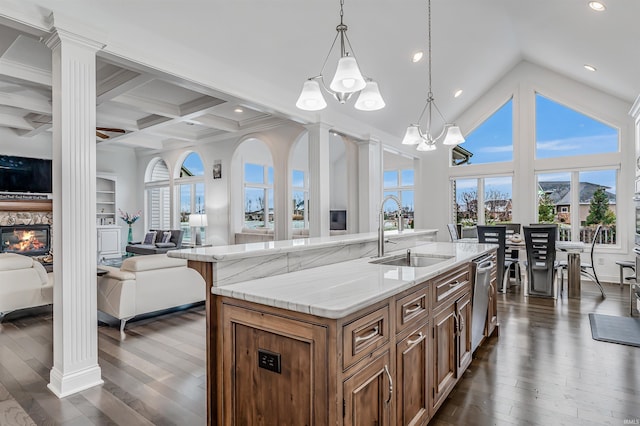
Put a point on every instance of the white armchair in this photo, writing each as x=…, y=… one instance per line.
x=146, y=284
x=24, y=283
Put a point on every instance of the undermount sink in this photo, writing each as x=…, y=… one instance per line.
x=415, y=260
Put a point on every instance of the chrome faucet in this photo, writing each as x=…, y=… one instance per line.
x=381, y=222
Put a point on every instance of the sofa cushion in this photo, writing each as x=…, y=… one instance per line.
x=13, y=261
x=152, y=261
x=165, y=245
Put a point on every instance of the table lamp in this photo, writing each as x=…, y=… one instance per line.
x=197, y=221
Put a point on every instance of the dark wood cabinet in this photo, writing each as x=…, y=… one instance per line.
x=492, y=311
x=391, y=363
x=368, y=394
x=444, y=354
x=413, y=377
x=276, y=370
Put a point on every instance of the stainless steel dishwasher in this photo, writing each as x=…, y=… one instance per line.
x=482, y=277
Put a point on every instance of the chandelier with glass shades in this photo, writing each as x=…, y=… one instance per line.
x=347, y=80
x=414, y=135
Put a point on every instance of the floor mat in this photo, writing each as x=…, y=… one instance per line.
x=622, y=330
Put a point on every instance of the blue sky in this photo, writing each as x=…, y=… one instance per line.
x=560, y=132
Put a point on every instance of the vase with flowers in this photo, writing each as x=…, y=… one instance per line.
x=130, y=220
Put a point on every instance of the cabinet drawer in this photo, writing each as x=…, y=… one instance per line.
x=449, y=283
x=412, y=308
x=364, y=335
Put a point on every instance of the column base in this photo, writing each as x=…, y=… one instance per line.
x=65, y=385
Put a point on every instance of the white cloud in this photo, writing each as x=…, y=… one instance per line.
x=575, y=143
x=496, y=149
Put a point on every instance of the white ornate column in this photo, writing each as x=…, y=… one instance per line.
x=75, y=323
x=370, y=184
x=319, y=182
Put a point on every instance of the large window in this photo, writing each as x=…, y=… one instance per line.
x=258, y=196
x=492, y=141
x=399, y=183
x=158, y=196
x=578, y=201
x=300, y=202
x=190, y=188
x=494, y=193
x=562, y=132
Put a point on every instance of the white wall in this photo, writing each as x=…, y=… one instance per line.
x=122, y=162
x=523, y=81
x=36, y=147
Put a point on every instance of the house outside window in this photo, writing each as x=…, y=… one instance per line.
x=258, y=196
x=399, y=183
x=300, y=201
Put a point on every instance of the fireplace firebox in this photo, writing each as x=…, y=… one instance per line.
x=30, y=240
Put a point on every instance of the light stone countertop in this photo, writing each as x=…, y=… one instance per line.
x=337, y=290
x=243, y=251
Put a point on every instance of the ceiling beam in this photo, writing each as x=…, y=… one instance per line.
x=39, y=106
x=8, y=120
x=200, y=104
x=120, y=83
x=217, y=122
x=22, y=72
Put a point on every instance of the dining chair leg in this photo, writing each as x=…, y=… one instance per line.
x=593, y=277
x=505, y=280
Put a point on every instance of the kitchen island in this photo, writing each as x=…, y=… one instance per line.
x=349, y=342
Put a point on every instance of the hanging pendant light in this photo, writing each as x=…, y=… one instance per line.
x=346, y=81
x=423, y=138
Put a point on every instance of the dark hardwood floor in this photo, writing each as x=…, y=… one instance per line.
x=544, y=369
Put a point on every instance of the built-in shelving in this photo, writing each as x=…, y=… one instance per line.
x=105, y=200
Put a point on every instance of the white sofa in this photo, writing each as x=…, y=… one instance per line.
x=146, y=284
x=24, y=283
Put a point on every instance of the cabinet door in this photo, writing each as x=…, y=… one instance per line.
x=412, y=373
x=274, y=370
x=444, y=354
x=368, y=394
x=108, y=241
x=463, y=349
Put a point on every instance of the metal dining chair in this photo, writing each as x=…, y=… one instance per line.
x=586, y=269
x=497, y=235
x=541, y=259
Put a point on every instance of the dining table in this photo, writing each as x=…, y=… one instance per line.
x=573, y=250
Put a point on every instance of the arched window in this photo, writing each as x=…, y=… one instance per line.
x=157, y=195
x=189, y=189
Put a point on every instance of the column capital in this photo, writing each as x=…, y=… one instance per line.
x=59, y=35
x=68, y=29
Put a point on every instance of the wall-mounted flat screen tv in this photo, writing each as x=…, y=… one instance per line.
x=22, y=174
x=338, y=220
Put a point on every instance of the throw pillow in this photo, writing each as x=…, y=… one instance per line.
x=166, y=237
x=149, y=238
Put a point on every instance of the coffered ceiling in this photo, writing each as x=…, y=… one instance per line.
x=134, y=108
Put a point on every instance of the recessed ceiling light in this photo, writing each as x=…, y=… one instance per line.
x=238, y=110
x=417, y=56
x=597, y=6
x=589, y=67
x=457, y=93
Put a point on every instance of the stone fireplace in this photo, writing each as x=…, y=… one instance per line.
x=29, y=240
x=23, y=214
